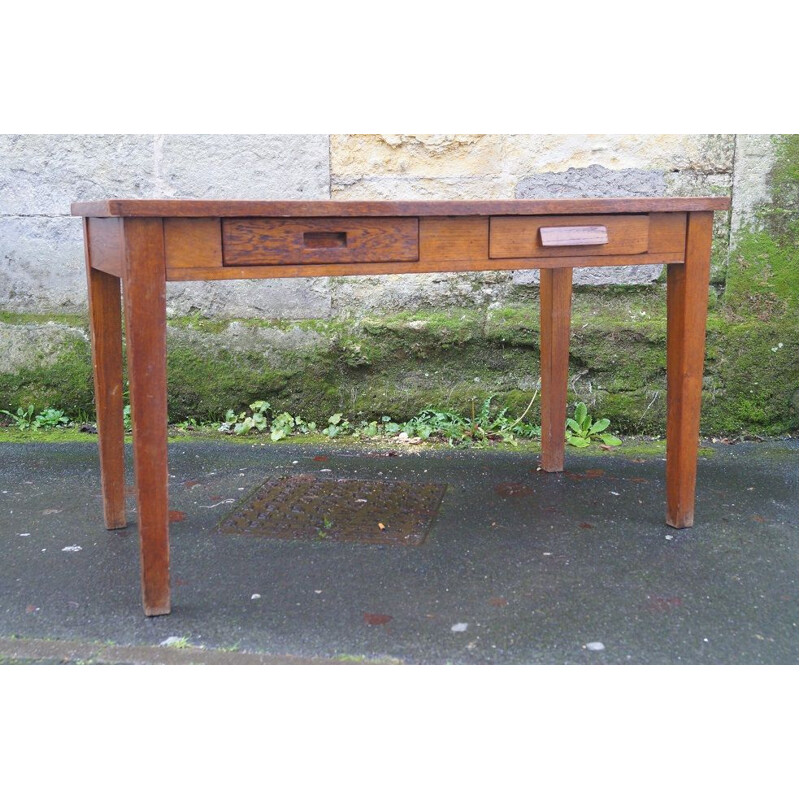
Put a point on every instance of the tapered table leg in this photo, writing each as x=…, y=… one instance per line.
x=105, y=322
x=144, y=290
x=687, y=303
x=555, y=292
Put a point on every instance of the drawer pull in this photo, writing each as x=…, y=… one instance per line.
x=319, y=239
x=564, y=237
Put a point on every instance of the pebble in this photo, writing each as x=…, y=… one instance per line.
x=595, y=646
x=459, y=627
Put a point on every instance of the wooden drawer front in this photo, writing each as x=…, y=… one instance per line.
x=269, y=241
x=523, y=237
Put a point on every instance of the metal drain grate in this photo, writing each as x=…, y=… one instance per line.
x=343, y=510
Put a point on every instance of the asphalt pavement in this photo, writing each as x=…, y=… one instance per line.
x=518, y=566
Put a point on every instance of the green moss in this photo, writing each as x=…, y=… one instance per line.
x=72, y=320
x=763, y=273
x=65, y=384
x=454, y=359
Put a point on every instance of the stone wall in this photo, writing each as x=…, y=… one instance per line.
x=390, y=343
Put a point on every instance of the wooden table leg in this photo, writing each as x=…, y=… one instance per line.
x=144, y=290
x=687, y=303
x=105, y=322
x=555, y=292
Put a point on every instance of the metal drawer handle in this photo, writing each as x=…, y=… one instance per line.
x=576, y=235
x=314, y=240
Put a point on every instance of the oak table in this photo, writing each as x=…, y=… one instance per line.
x=136, y=246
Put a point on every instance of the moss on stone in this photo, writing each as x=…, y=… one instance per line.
x=763, y=273
x=65, y=383
x=456, y=359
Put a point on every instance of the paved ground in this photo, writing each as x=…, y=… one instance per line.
x=530, y=574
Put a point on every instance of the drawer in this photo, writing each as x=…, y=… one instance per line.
x=555, y=236
x=266, y=241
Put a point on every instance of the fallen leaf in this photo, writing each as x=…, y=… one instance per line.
x=320, y=458
x=639, y=480
x=586, y=525
x=595, y=473
x=176, y=516
x=377, y=619
x=381, y=526
x=191, y=484
x=498, y=602
x=513, y=489
x=757, y=518
x=663, y=603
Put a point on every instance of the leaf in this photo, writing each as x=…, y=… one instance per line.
x=600, y=425
x=335, y=419
x=580, y=412
x=571, y=423
x=609, y=439
x=578, y=441
x=277, y=435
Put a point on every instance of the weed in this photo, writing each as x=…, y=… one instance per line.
x=581, y=430
x=23, y=419
x=178, y=642
x=337, y=425
x=51, y=418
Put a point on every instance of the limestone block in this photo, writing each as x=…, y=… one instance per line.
x=44, y=174
x=512, y=156
x=243, y=167
x=755, y=155
x=40, y=345
x=281, y=298
x=272, y=344
x=394, y=293
x=42, y=264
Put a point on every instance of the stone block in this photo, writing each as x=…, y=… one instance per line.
x=43, y=174
x=34, y=345
x=43, y=265
x=281, y=298
x=243, y=167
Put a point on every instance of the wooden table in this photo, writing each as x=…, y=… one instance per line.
x=139, y=245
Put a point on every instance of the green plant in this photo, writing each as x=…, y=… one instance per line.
x=244, y=422
x=479, y=427
x=51, y=418
x=126, y=418
x=178, y=642
x=23, y=419
x=581, y=430
x=337, y=425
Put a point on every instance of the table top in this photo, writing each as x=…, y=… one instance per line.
x=399, y=208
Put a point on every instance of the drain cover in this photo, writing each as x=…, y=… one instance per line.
x=312, y=508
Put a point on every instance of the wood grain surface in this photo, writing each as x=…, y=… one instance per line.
x=144, y=290
x=387, y=208
x=555, y=291
x=520, y=237
x=687, y=304
x=328, y=240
